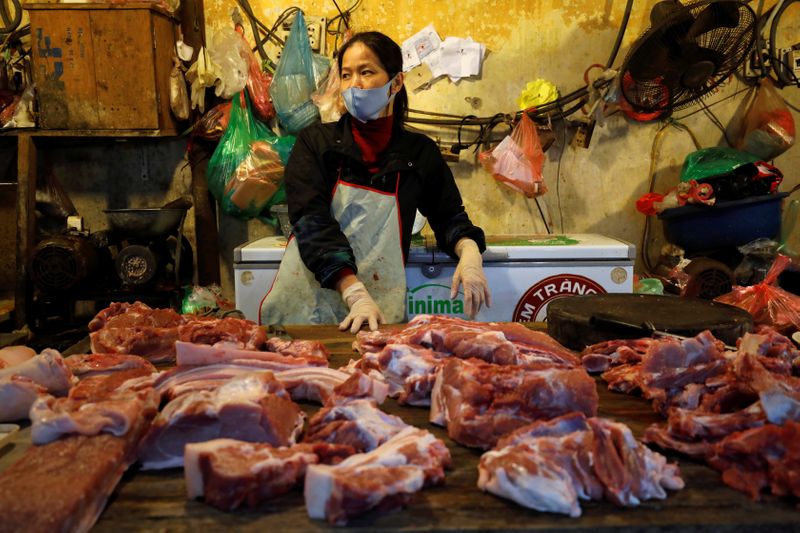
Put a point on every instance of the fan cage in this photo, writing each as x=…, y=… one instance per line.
x=55, y=268
x=654, y=95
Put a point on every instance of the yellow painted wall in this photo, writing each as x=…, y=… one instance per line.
x=590, y=190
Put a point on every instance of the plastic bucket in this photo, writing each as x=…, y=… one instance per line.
x=697, y=227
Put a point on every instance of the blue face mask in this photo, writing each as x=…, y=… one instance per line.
x=367, y=104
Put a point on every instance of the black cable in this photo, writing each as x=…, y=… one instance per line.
x=715, y=121
x=623, y=26
x=773, y=30
x=541, y=214
x=558, y=175
x=10, y=24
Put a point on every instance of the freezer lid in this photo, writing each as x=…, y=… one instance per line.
x=266, y=249
x=564, y=247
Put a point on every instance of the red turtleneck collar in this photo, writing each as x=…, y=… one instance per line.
x=372, y=137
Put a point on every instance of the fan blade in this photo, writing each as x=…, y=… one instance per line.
x=657, y=58
x=700, y=64
x=717, y=15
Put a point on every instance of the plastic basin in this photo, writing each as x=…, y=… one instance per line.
x=733, y=223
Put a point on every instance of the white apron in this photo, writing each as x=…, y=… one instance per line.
x=370, y=219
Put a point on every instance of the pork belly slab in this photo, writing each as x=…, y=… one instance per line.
x=252, y=408
x=501, y=343
x=550, y=465
x=479, y=402
x=384, y=478
x=229, y=473
x=64, y=485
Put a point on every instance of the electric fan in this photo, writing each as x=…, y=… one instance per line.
x=687, y=51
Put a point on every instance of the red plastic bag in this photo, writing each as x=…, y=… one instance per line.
x=214, y=122
x=770, y=305
x=258, y=83
x=768, y=129
x=518, y=160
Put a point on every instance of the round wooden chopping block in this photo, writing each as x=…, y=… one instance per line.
x=569, y=319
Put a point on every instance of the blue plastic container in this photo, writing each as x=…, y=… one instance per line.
x=698, y=227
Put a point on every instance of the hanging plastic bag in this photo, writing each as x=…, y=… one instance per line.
x=518, y=160
x=228, y=52
x=293, y=83
x=178, y=95
x=258, y=82
x=212, y=125
x=245, y=172
x=327, y=99
x=768, y=129
x=770, y=305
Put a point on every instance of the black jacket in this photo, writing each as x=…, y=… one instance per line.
x=426, y=183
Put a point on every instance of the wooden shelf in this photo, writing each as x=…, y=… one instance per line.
x=35, y=132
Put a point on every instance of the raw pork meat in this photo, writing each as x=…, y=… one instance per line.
x=96, y=405
x=189, y=354
x=64, y=485
x=384, y=478
x=184, y=379
x=135, y=315
x=207, y=330
x=550, y=465
x=229, y=473
x=480, y=402
x=357, y=423
x=17, y=394
x=410, y=372
x=502, y=343
x=254, y=409
x=14, y=355
x=764, y=458
x=23, y=383
x=100, y=364
x=47, y=369
x=298, y=348
x=151, y=333
x=603, y=355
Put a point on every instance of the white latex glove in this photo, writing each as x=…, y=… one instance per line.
x=362, y=309
x=469, y=274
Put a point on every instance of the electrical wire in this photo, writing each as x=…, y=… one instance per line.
x=781, y=74
x=654, y=154
x=715, y=121
x=541, y=214
x=558, y=176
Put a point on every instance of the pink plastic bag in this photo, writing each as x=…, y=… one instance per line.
x=770, y=305
x=768, y=128
x=518, y=160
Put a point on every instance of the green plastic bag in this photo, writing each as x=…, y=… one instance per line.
x=711, y=162
x=245, y=173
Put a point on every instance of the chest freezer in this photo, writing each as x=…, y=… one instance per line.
x=525, y=273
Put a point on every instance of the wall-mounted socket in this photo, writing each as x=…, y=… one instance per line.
x=316, y=32
x=583, y=135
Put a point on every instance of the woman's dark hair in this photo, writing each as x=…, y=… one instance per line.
x=391, y=57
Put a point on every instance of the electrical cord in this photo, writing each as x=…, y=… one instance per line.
x=9, y=24
x=654, y=154
x=715, y=121
x=781, y=74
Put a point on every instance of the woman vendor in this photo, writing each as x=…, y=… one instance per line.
x=353, y=188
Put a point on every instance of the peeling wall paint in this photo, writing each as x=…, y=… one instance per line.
x=590, y=190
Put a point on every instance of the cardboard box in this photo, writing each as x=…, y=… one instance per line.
x=103, y=66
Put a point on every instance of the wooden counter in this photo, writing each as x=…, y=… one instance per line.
x=156, y=501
